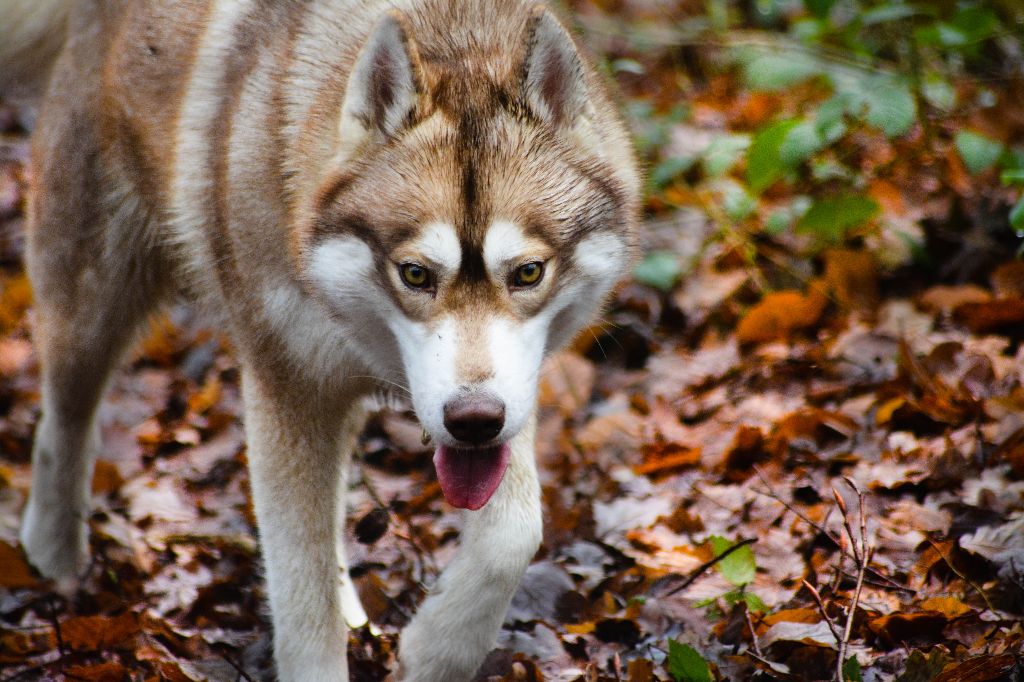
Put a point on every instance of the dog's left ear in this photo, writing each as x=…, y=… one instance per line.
x=554, y=81
x=384, y=87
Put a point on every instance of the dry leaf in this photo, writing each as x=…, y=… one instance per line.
x=781, y=314
x=99, y=633
x=14, y=570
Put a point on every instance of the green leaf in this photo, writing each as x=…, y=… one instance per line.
x=851, y=670
x=830, y=219
x=1012, y=176
x=938, y=92
x=668, y=169
x=723, y=153
x=764, y=166
x=735, y=199
x=819, y=8
x=801, y=143
x=831, y=119
x=754, y=603
x=685, y=664
x=739, y=567
x=887, y=13
x=1017, y=216
x=659, y=269
x=778, y=70
x=978, y=151
x=891, y=107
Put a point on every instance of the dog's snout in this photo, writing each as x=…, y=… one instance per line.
x=474, y=418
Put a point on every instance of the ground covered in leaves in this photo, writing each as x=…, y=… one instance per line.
x=794, y=449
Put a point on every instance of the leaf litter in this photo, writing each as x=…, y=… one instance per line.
x=760, y=466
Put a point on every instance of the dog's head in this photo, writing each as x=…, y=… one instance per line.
x=475, y=217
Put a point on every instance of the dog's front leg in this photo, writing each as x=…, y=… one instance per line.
x=295, y=462
x=458, y=623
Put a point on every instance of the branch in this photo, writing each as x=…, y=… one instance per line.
x=700, y=570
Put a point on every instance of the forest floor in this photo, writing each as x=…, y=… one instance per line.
x=844, y=424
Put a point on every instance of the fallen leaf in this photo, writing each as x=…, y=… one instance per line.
x=815, y=634
x=780, y=315
x=14, y=570
x=99, y=633
x=946, y=299
x=111, y=671
x=852, y=278
x=990, y=316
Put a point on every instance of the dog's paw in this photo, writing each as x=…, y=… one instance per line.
x=56, y=543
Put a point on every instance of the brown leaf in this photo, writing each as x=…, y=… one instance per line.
x=897, y=628
x=946, y=299
x=14, y=570
x=99, y=633
x=781, y=314
x=111, y=671
x=950, y=607
x=852, y=278
x=979, y=669
x=747, y=449
x=1008, y=279
x=106, y=478
x=662, y=457
x=18, y=645
x=990, y=316
x=15, y=299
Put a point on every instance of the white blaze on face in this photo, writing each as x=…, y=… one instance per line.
x=434, y=353
x=440, y=245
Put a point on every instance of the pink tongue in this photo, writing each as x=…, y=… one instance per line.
x=469, y=477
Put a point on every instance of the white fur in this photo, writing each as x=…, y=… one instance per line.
x=517, y=351
x=503, y=242
x=440, y=244
x=192, y=184
x=456, y=626
x=341, y=270
x=429, y=356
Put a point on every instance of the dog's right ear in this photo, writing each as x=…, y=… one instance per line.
x=384, y=87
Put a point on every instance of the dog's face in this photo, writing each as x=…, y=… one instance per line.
x=462, y=244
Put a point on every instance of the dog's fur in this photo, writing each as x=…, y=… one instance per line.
x=282, y=162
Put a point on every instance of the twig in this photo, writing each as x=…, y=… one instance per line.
x=700, y=570
x=753, y=635
x=238, y=669
x=974, y=585
x=821, y=607
x=892, y=584
x=862, y=555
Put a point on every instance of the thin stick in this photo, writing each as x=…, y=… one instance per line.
x=821, y=607
x=862, y=556
x=700, y=570
x=892, y=584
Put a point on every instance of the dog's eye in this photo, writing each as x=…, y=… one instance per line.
x=415, y=276
x=529, y=274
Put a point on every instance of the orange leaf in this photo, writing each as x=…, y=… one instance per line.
x=14, y=570
x=663, y=457
x=951, y=607
x=106, y=478
x=110, y=671
x=780, y=314
x=98, y=633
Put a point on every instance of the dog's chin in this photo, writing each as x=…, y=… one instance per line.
x=469, y=476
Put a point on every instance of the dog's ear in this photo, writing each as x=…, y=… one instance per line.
x=385, y=85
x=554, y=83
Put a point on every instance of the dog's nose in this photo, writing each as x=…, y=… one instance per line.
x=474, y=418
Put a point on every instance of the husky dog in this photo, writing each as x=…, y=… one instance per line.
x=433, y=194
